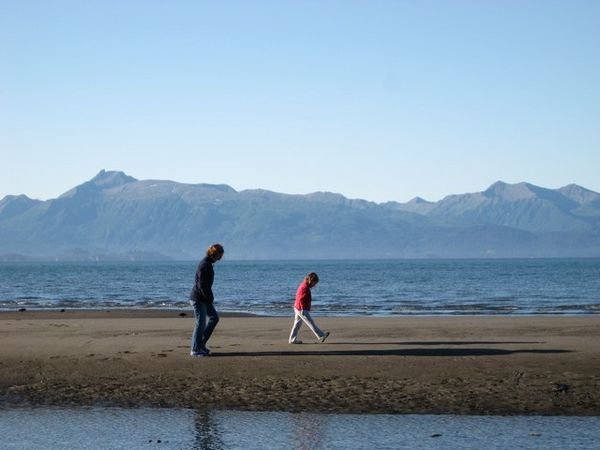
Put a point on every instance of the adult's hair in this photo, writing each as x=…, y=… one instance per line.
x=215, y=250
x=312, y=278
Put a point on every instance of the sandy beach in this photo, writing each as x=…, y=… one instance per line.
x=465, y=365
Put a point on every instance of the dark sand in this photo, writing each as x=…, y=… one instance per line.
x=465, y=365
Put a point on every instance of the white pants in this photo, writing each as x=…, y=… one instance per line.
x=304, y=316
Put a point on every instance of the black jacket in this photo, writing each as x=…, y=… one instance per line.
x=205, y=275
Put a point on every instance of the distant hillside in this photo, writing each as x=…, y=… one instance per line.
x=115, y=216
x=521, y=206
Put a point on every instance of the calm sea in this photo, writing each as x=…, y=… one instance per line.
x=371, y=287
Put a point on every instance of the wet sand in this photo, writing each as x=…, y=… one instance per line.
x=464, y=365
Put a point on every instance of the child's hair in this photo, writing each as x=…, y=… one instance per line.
x=214, y=250
x=312, y=278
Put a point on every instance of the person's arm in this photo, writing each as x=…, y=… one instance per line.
x=205, y=280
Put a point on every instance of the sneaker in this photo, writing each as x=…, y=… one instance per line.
x=206, y=351
x=297, y=341
x=322, y=338
x=197, y=354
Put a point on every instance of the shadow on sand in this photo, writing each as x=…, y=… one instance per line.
x=395, y=352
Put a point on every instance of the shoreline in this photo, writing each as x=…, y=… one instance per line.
x=111, y=313
x=167, y=312
x=504, y=365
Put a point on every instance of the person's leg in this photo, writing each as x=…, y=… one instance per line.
x=200, y=315
x=213, y=319
x=307, y=318
x=295, y=328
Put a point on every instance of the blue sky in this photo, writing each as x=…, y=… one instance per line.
x=381, y=100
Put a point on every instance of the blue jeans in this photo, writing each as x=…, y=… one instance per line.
x=203, y=330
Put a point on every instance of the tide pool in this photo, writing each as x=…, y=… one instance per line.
x=119, y=428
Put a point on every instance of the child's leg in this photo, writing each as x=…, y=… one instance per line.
x=296, y=326
x=307, y=318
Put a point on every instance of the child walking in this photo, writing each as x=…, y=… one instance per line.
x=302, y=308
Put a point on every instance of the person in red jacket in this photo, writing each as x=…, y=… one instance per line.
x=302, y=308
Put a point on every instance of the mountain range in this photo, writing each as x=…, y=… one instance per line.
x=115, y=216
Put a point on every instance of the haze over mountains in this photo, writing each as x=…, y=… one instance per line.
x=115, y=216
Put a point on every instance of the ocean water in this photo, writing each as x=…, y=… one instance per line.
x=353, y=287
x=116, y=428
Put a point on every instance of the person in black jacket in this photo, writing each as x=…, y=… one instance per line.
x=202, y=298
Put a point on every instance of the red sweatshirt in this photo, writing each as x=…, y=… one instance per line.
x=303, y=296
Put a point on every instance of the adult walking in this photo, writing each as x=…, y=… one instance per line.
x=202, y=299
x=302, y=306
